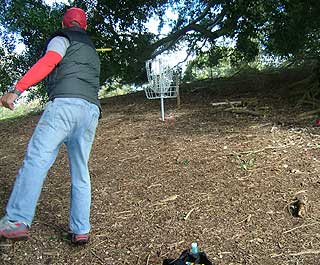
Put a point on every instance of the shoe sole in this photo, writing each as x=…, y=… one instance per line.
x=17, y=236
x=80, y=241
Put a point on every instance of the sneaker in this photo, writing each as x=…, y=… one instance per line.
x=13, y=230
x=79, y=239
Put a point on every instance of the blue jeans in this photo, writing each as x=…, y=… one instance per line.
x=71, y=121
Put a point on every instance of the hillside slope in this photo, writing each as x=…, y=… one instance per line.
x=224, y=175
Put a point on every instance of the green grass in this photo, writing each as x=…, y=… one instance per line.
x=21, y=110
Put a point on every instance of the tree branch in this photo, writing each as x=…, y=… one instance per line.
x=170, y=40
x=190, y=51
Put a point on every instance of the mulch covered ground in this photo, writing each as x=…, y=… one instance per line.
x=241, y=180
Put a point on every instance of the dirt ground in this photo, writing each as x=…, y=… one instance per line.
x=225, y=176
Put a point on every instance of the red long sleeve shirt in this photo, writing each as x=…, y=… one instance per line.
x=39, y=70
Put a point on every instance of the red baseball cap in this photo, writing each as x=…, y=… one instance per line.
x=75, y=14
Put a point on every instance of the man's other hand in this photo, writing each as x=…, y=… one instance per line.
x=7, y=100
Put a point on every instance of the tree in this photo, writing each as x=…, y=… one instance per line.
x=288, y=28
x=29, y=22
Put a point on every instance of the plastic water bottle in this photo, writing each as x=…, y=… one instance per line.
x=194, y=251
x=194, y=248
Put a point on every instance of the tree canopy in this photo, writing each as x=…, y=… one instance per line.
x=286, y=28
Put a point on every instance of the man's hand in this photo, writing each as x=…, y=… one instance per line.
x=7, y=100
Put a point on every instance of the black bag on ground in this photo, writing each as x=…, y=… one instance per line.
x=186, y=256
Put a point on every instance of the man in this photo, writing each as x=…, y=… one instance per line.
x=72, y=68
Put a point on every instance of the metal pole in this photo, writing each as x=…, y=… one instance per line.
x=162, y=107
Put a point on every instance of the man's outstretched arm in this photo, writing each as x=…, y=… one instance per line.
x=42, y=68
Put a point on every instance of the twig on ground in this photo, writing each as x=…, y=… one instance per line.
x=125, y=216
x=261, y=125
x=103, y=235
x=247, y=220
x=148, y=258
x=5, y=245
x=230, y=103
x=50, y=253
x=188, y=214
x=298, y=227
x=154, y=185
x=224, y=253
x=277, y=255
x=100, y=259
x=176, y=244
x=244, y=111
x=305, y=252
x=123, y=212
x=310, y=251
x=308, y=114
x=171, y=198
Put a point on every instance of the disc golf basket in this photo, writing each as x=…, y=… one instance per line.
x=163, y=82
